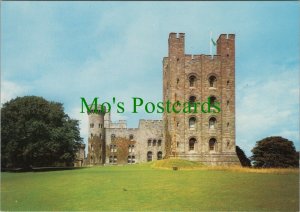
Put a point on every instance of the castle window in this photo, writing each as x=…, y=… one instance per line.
x=149, y=156
x=111, y=159
x=192, y=80
x=227, y=83
x=227, y=102
x=213, y=100
x=149, y=142
x=113, y=136
x=159, y=143
x=130, y=137
x=131, y=148
x=177, y=124
x=212, y=81
x=115, y=159
x=192, y=101
x=129, y=159
x=91, y=135
x=113, y=148
x=212, y=123
x=192, y=142
x=192, y=123
x=154, y=142
x=100, y=136
x=177, y=81
x=212, y=144
x=92, y=125
x=159, y=155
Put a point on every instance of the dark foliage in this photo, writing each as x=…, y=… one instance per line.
x=36, y=132
x=275, y=152
x=242, y=157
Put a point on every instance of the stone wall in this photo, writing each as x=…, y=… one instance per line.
x=147, y=130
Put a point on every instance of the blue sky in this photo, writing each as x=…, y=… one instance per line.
x=65, y=50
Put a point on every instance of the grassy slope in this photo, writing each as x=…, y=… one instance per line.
x=140, y=187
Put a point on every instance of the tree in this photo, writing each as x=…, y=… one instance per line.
x=242, y=157
x=36, y=132
x=275, y=152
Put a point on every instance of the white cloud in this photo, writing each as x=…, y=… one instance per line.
x=10, y=90
x=268, y=106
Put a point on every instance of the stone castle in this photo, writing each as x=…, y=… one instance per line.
x=205, y=137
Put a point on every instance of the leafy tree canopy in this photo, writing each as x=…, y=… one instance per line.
x=275, y=152
x=242, y=157
x=36, y=132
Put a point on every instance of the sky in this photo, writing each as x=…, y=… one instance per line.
x=66, y=50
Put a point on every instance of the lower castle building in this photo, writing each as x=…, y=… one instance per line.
x=114, y=143
x=205, y=137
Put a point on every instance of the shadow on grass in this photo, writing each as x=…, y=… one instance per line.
x=40, y=169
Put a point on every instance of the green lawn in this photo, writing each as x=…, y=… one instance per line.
x=141, y=187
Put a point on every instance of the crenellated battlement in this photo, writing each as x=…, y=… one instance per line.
x=227, y=36
x=174, y=35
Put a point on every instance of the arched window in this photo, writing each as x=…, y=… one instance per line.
x=149, y=142
x=130, y=137
x=212, y=123
x=192, y=142
x=154, y=142
x=159, y=143
x=159, y=155
x=192, y=80
x=192, y=123
x=113, y=136
x=149, y=156
x=212, y=81
x=192, y=101
x=212, y=144
x=213, y=100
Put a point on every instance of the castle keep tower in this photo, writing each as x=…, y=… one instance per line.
x=96, y=139
x=204, y=137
